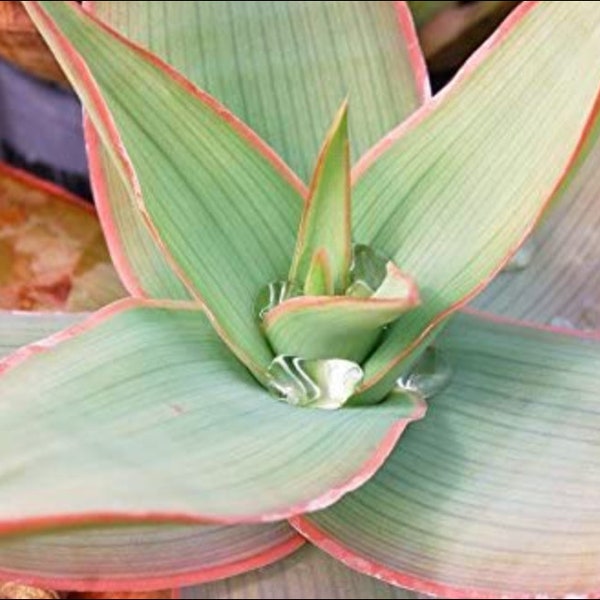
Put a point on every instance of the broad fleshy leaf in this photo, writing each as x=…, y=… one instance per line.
x=285, y=67
x=339, y=327
x=366, y=49
x=306, y=575
x=145, y=557
x=324, y=248
x=18, y=329
x=141, y=264
x=222, y=204
x=451, y=195
x=52, y=254
x=160, y=421
x=495, y=493
x=559, y=281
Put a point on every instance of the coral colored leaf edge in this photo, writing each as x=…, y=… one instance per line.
x=124, y=584
x=105, y=213
x=363, y=474
x=105, y=116
x=412, y=122
x=150, y=584
x=304, y=303
x=416, y=56
x=425, y=586
x=57, y=192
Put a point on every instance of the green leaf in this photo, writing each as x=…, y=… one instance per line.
x=339, y=327
x=160, y=421
x=451, y=195
x=319, y=278
x=307, y=574
x=561, y=283
x=136, y=254
x=495, y=493
x=143, y=557
x=324, y=248
x=285, y=67
x=223, y=206
x=20, y=329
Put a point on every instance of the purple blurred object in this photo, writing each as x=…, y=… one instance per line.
x=40, y=129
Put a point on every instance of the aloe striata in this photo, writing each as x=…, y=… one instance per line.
x=288, y=321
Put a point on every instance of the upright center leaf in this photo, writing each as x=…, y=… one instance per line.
x=331, y=313
x=324, y=250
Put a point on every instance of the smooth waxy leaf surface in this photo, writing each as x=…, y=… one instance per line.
x=137, y=256
x=285, y=67
x=339, y=327
x=161, y=420
x=307, y=574
x=560, y=280
x=324, y=248
x=20, y=329
x=450, y=196
x=366, y=49
x=224, y=207
x=52, y=254
x=121, y=558
x=495, y=493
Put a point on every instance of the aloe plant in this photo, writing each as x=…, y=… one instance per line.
x=282, y=336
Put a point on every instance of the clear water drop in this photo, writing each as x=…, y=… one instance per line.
x=429, y=377
x=273, y=295
x=562, y=323
x=323, y=384
x=523, y=258
x=367, y=273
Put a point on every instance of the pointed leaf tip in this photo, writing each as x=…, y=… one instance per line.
x=210, y=190
x=324, y=243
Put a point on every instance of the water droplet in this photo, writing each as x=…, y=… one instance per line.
x=273, y=295
x=523, y=258
x=562, y=323
x=324, y=384
x=430, y=376
x=367, y=273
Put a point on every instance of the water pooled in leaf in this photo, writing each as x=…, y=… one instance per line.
x=273, y=295
x=367, y=273
x=429, y=377
x=523, y=258
x=324, y=384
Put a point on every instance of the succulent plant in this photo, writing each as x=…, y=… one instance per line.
x=281, y=337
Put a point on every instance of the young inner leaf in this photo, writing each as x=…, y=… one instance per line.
x=324, y=248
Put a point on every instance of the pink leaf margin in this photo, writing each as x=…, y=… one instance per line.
x=370, y=567
x=373, y=155
x=163, y=582
x=122, y=583
x=101, y=108
x=408, y=29
x=365, y=472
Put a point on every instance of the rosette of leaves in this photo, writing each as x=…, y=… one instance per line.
x=179, y=434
